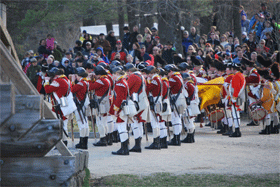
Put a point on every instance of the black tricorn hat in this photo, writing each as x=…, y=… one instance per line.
x=208, y=60
x=263, y=61
x=219, y=65
x=275, y=70
x=263, y=72
x=247, y=62
x=195, y=61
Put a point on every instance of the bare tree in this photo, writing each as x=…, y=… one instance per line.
x=121, y=17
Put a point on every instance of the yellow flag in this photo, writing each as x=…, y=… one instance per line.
x=210, y=94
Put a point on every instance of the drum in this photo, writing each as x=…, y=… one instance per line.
x=257, y=111
x=215, y=114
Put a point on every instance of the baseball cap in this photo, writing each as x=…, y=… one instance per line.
x=153, y=28
x=119, y=41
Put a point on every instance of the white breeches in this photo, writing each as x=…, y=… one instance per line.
x=82, y=124
x=101, y=122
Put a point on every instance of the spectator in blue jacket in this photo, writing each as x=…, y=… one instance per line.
x=126, y=38
x=100, y=52
x=186, y=42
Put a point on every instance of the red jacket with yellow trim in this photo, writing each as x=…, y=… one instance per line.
x=237, y=83
x=175, y=83
x=100, y=86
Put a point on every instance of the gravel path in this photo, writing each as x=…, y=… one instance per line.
x=211, y=153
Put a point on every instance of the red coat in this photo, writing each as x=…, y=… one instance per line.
x=80, y=89
x=226, y=85
x=190, y=87
x=60, y=86
x=175, y=83
x=237, y=83
x=100, y=86
x=122, y=54
x=120, y=94
x=254, y=77
x=165, y=87
x=192, y=75
x=39, y=83
x=110, y=78
x=134, y=83
x=155, y=86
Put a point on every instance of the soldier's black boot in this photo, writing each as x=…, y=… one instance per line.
x=80, y=144
x=223, y=129
x=193, y=136
x=137, y=146
x=236, y=134
x=252, y=123
x=123, y=150
x=266, y=131
x=178, y=140
x=275, y=129
x=186, y=139
x=229, y=132
x=85, y=145
x=115, y=137
x=189, y=138
x=101, y=142
x=110, y=138
x=155, y=144
x=163, y=143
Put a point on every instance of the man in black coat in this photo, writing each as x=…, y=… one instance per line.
x=133, y=36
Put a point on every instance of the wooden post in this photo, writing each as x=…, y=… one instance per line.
x=3, y=13
x=121, y=18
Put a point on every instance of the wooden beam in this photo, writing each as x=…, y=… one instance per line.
x=45, y=171
x=18, y=77
x=8, y=38
x=64, y=151
x=35, y=141
x=7, y=100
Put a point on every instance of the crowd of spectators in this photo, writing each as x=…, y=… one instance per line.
x=259, y=37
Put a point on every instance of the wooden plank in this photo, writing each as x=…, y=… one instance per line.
x=47, y=112
x=7, y=100
x=64, y=151
x=10, y=43
x=18, y=77
x=36, y=142
x=45, y=171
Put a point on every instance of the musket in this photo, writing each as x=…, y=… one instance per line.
x=72, y=131
x=168, y=130
x=236, y=114
x=146, y=131
x=92, y=119
x=78, y=107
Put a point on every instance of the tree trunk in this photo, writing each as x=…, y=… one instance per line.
x=120, y=18
x=131, y=11
x=223, y=15
x=109, y=26
x=146, y=7
x=236, y=19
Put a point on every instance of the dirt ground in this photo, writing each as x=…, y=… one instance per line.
x=211, y=153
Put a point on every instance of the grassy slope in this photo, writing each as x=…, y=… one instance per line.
x=167, y=179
